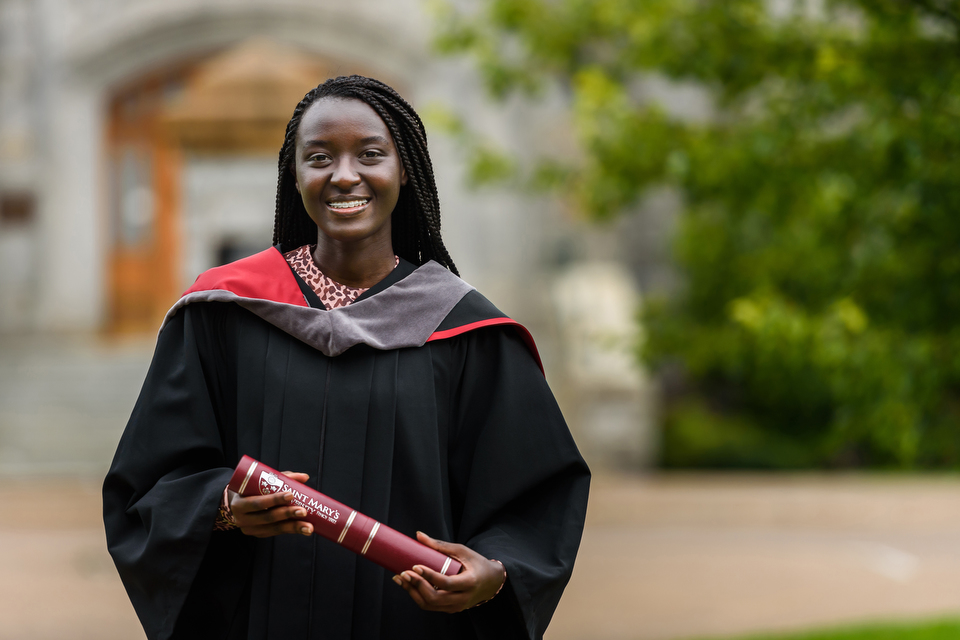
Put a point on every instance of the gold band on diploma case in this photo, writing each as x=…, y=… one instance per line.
x=246, y=478
x=446, y=565
x=373, y=532
x=343, y=534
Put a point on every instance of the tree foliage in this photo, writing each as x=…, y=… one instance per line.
x=820, y=237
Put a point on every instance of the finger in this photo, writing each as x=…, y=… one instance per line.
x=440, y=581
x=296, y=475
x=244, y=504
x=261, y=532
x=278, y=528
x=413, y=593
x=452, y=549
x=430, y=542
x=432, y=599
x=270, y=516
x=259, y=503
x=467, y=557
x=423, y=599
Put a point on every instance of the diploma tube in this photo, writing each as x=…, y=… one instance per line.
x=347, y=527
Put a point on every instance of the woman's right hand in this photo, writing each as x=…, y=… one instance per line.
x=270, y=515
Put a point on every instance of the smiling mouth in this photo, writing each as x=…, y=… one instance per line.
x=348, y=206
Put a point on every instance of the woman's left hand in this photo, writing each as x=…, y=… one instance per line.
x=477, y=582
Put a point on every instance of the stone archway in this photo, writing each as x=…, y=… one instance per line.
x=191, y=150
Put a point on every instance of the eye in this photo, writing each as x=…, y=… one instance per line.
x=372, y=153
x=318, y=157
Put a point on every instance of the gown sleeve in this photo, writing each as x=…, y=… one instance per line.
x=163, y=489
x=520, y=484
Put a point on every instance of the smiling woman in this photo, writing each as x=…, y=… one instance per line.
x=353, y=354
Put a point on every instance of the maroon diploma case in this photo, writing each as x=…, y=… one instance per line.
x=335, y=521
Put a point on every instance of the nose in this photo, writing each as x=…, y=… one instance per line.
x=345, y=174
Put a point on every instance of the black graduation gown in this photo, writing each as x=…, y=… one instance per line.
x=456, y=435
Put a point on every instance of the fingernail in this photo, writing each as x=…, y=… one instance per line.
x=305, y=530
x=418, y=569
x=406, y=576
x=398, y=580
x=300, y=513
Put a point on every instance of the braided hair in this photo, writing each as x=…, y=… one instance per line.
x=415, y=221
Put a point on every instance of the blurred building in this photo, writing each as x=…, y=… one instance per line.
x=138, y=146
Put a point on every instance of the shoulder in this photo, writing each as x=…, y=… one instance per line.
x=473, y=307
x=265, y=275
x=475, y=312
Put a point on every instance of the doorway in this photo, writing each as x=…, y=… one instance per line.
x=191, y=159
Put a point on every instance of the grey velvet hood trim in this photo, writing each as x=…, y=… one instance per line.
x=402, y=315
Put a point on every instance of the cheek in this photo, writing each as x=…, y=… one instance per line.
x=308, y=184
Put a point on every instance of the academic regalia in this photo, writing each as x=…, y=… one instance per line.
x=420, y=405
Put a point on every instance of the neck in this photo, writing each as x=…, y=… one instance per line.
x=360, y=265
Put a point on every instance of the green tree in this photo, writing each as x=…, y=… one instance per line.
x=820, y=236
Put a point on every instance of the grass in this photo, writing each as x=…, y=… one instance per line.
x=938, y=630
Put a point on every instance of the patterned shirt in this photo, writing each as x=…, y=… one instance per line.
x=332, y=294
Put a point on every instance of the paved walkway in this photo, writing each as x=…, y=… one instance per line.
x=684, y=556
x=663, y=557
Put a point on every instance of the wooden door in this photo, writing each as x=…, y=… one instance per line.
x=235, y=103
x=143, y=168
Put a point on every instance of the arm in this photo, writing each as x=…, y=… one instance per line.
x=518, y=486
x=161, y=494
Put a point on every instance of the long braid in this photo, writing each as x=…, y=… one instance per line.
x=416, y=217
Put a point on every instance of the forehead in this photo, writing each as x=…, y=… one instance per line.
x=340, y=120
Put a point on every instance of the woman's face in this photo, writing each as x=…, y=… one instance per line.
x=347, y=170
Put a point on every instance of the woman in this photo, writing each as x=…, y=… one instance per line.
x=353, y=354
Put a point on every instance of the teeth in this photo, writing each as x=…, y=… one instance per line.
x=347, y=205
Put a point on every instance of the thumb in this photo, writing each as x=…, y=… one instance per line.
x=439, y=545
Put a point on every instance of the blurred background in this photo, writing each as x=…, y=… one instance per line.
x=731, y=227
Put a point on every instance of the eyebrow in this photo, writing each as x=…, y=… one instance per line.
x=367, y=140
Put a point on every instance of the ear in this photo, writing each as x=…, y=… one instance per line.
x=296, y=182
x=403, y=176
